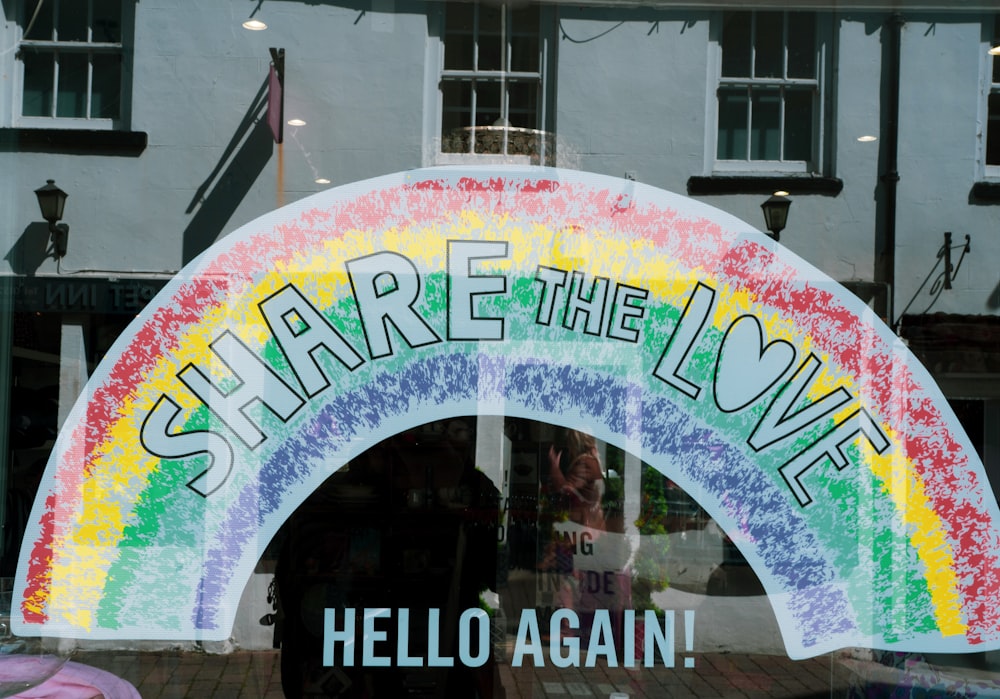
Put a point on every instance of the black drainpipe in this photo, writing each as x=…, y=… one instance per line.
x=885, y=239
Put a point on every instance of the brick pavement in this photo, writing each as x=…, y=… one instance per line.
x=256, y=674
x=177, y=675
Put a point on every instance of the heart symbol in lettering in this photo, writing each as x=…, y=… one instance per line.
x=746, y=367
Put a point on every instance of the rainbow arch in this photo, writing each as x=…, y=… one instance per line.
x=668, y=327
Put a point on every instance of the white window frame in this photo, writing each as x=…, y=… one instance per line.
x=434, y=96
x=986, y=171
x=76, y=47
x=821, y=121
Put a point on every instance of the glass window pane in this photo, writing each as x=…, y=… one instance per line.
x=456, y=116
x=736, y=45
x=765, y=120
x=71, y=100
x=105, y=98
x=733, y=105
x=522, y=107
x=798, y=125
x=488, y=105
x=458, y=37
x=458, y=52
x=491, y=49
x=72, y=20
x=525, y=20
x=768, y=46
x=993, y=131
x=801, y=45
x=457, y=103
x=38, y=80
x=993, y=40
x=106, y=23
x=40, y=28
x=524, y=42
x=524, y=54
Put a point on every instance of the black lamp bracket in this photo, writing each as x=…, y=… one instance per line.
x=59, y=235
x=942, y=282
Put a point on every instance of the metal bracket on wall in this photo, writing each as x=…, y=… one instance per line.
x=944, y=278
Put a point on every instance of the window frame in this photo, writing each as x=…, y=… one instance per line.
x=438, y=75
x=89, y=48
x=822, y=101
x=988, y=87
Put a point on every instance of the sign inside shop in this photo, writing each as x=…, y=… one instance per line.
x=33, y=295
x=666, y=327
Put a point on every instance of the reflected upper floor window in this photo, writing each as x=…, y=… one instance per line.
x=71, y=60
x=770, y=92
x=492, y=88
x=991, y=157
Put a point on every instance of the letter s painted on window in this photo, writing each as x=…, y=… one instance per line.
x=159, y=438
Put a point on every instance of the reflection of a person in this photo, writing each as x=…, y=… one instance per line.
x=583, y=553
x=583, y=482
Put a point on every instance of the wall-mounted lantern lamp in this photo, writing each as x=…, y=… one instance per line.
x=776, y=213
x=51, y=201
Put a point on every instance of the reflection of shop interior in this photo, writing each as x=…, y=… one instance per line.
x=411, y=524
x=459, y=514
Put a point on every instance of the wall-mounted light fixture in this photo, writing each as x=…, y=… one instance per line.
x=52, y=201
x=253, y=22
x=776, y=213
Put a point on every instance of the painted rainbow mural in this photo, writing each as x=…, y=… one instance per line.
x=667, y=327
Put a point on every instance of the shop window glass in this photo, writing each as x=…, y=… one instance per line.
x=72, y=53
x=492, y=84
x=769, y=91
x=493, y=515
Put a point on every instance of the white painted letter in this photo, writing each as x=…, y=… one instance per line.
x=686, y=334
x=626, y=305
x=331, y=635
x=556, y=639
x=464, y=286
x=528, y=640
x=465, y=637
x=159, y=438
x=657, y=638
x=434, y=658
x=403, y=658
x=257, y=384
x=302, y=333
x=552, y=279
x=831, y=446
x=371, y=637
x=590, y=305
x=386, y=287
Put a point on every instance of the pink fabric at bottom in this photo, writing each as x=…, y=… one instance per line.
x=75, y=681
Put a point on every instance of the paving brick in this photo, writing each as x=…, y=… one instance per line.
x=256, y=675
